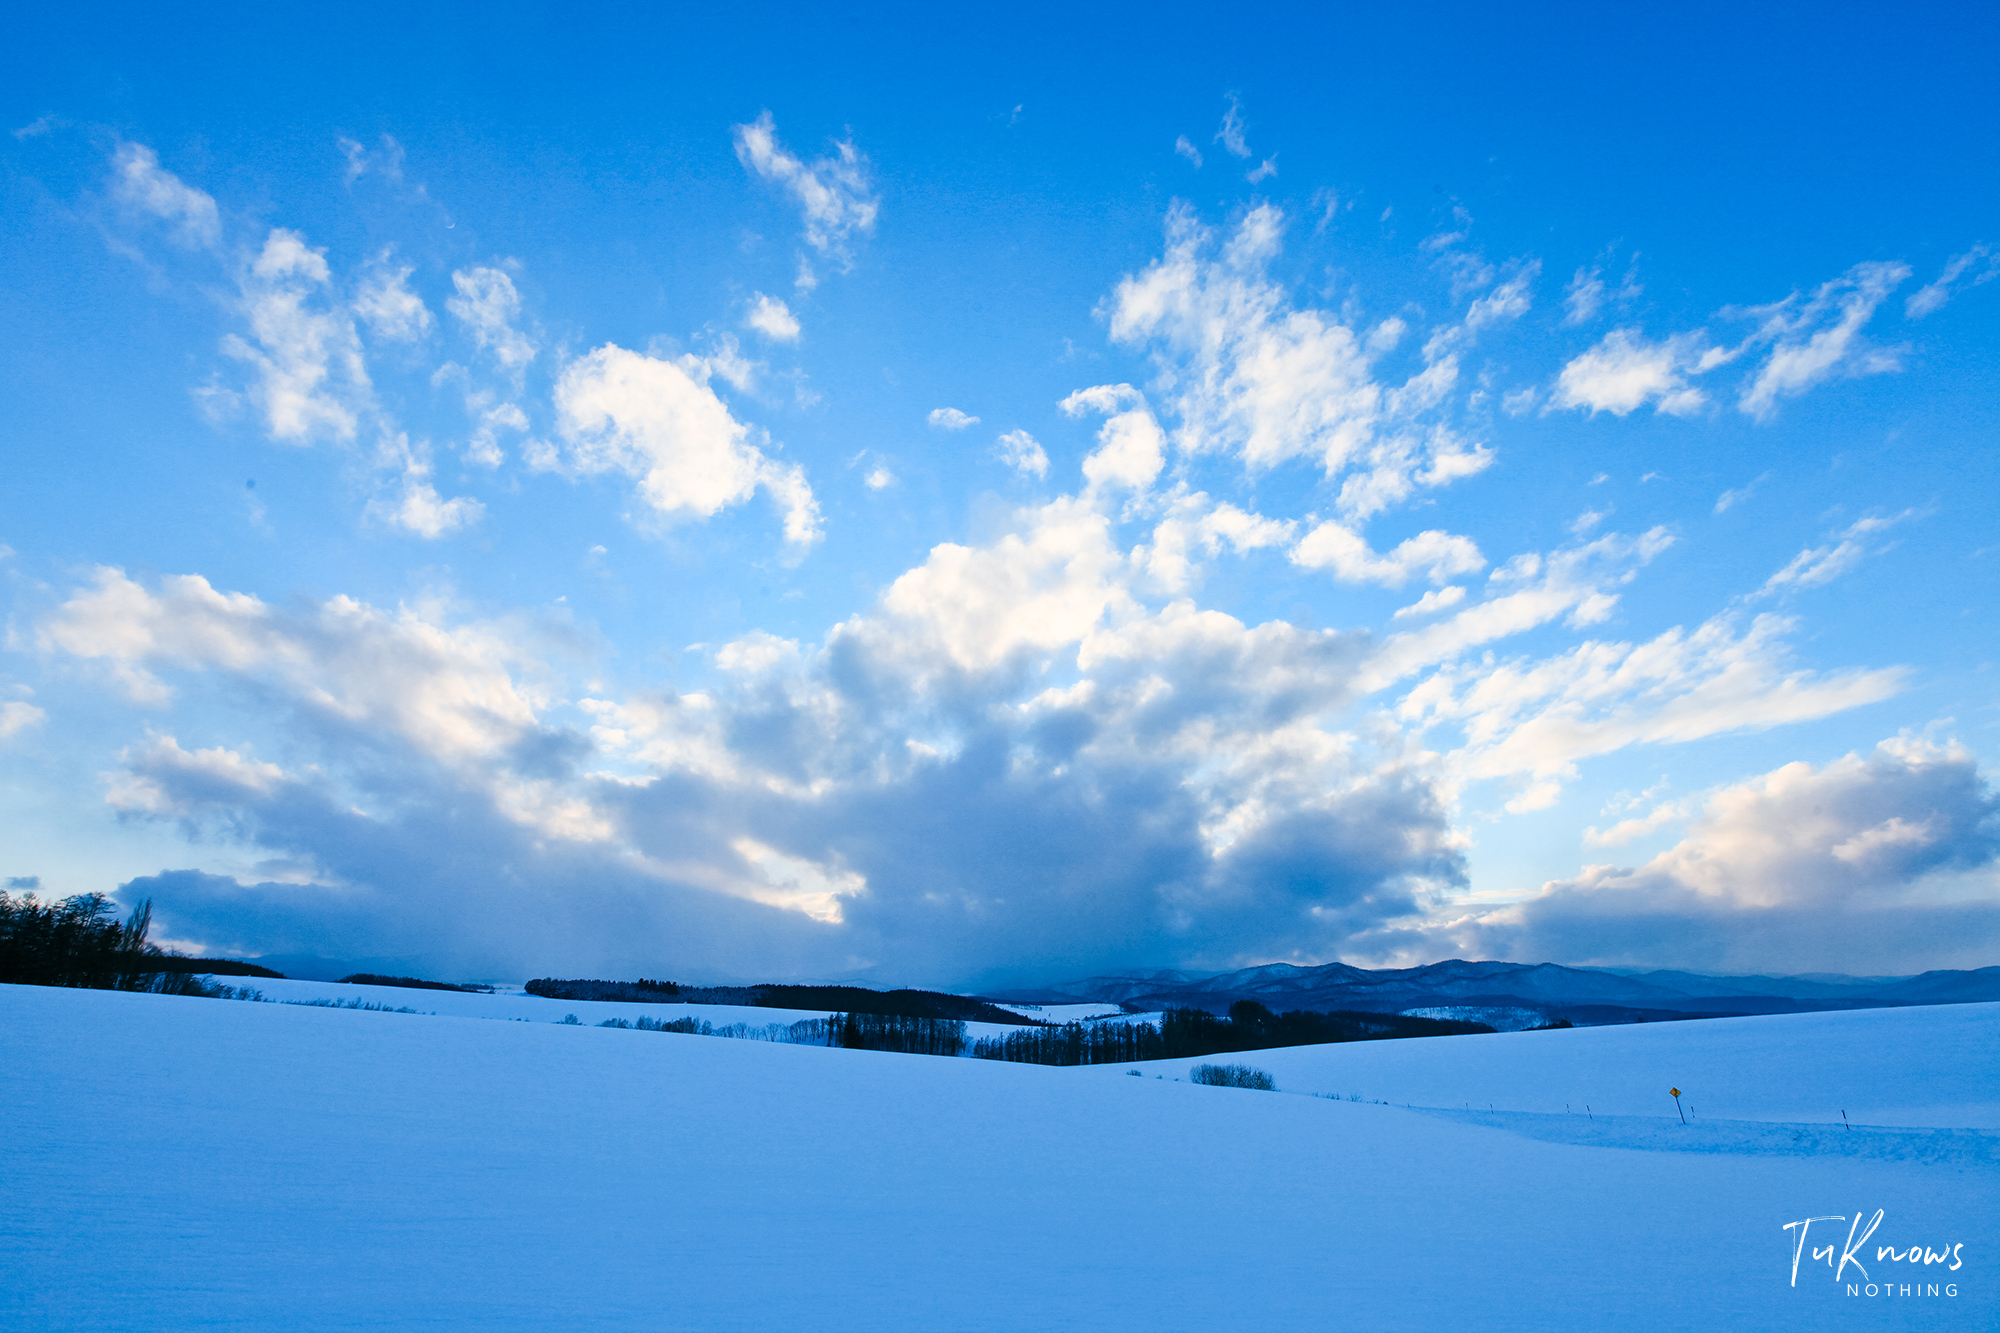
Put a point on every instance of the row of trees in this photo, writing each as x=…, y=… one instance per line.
x=859, y=1032
x=79, y=941
x=1188, y=1033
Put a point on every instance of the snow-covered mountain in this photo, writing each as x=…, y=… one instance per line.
x=1584, y=995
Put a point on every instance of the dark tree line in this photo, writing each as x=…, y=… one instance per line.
x=858, y=1032
x=1189, y=1033
x=849, y=999
x=409, y=983
x=79, y=941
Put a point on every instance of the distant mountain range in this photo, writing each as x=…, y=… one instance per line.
x=1583, y=995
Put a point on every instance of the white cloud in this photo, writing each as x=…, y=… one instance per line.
x=1584, y=296
x=1185, y=147
x=312, y=383
x=1194, y=523
x=772, y=318
x=813, y=888
x=1131, y=447
x=1022, y=452
x=16, y=717
x=879, y=478
x=1247, y=373
x=161, y=778
x=488, y=305
x=1230, y=136
x=139, y=181
x=1820, y=337
x=834, y=193
x=417, y=508
x=950, y=418
x=1625, y=372
x=1540, y=718
x=1262, y=171
x=387, y=305
x=1432, y=602
x=659, y=422
x=1931, y=297
x=448, y=691
x=1863, y=865
x=1510, y=300
x=483, y=449
x=1731, y=498
x=386, y=162
x=1438, y=556
x=1817, y=565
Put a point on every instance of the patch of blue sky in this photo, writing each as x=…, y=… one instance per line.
x=1345, y=466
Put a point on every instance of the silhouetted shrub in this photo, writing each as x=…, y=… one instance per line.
x=1233, y=1076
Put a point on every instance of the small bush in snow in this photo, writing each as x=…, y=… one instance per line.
x=1234, y=1076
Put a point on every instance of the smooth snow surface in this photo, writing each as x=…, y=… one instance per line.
x=1936, y=1066
x=177, y=1163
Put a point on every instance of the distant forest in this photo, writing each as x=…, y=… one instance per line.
x=1188, y=1033
x=850, y=999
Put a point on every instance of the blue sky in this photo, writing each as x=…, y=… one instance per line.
x=968, y=500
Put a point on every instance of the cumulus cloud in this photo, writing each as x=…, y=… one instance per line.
x=1022, y=452
x=415, y=506
x=787, y=823
x=161, y=778
x=1879, y=862
x=483, y=448
x=834, y=194
x=1246, y=372
x=1131, y=447
x=658, y=422
x=950, y=418
x=772, y=318
x=489, y=307
x=140, y=182
x=1626, y=371
x=1032, y=755
x=1195, y=526
x=387, y=305
x=1437, y=556
x=311, y=380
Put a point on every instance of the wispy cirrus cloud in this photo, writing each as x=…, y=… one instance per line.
x=836, y=194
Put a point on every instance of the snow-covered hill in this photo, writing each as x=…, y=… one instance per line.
x=178, y=1163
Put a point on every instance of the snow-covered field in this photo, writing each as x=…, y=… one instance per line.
x=175, y=1163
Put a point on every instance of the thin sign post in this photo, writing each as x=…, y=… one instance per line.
x=1676, y=1094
